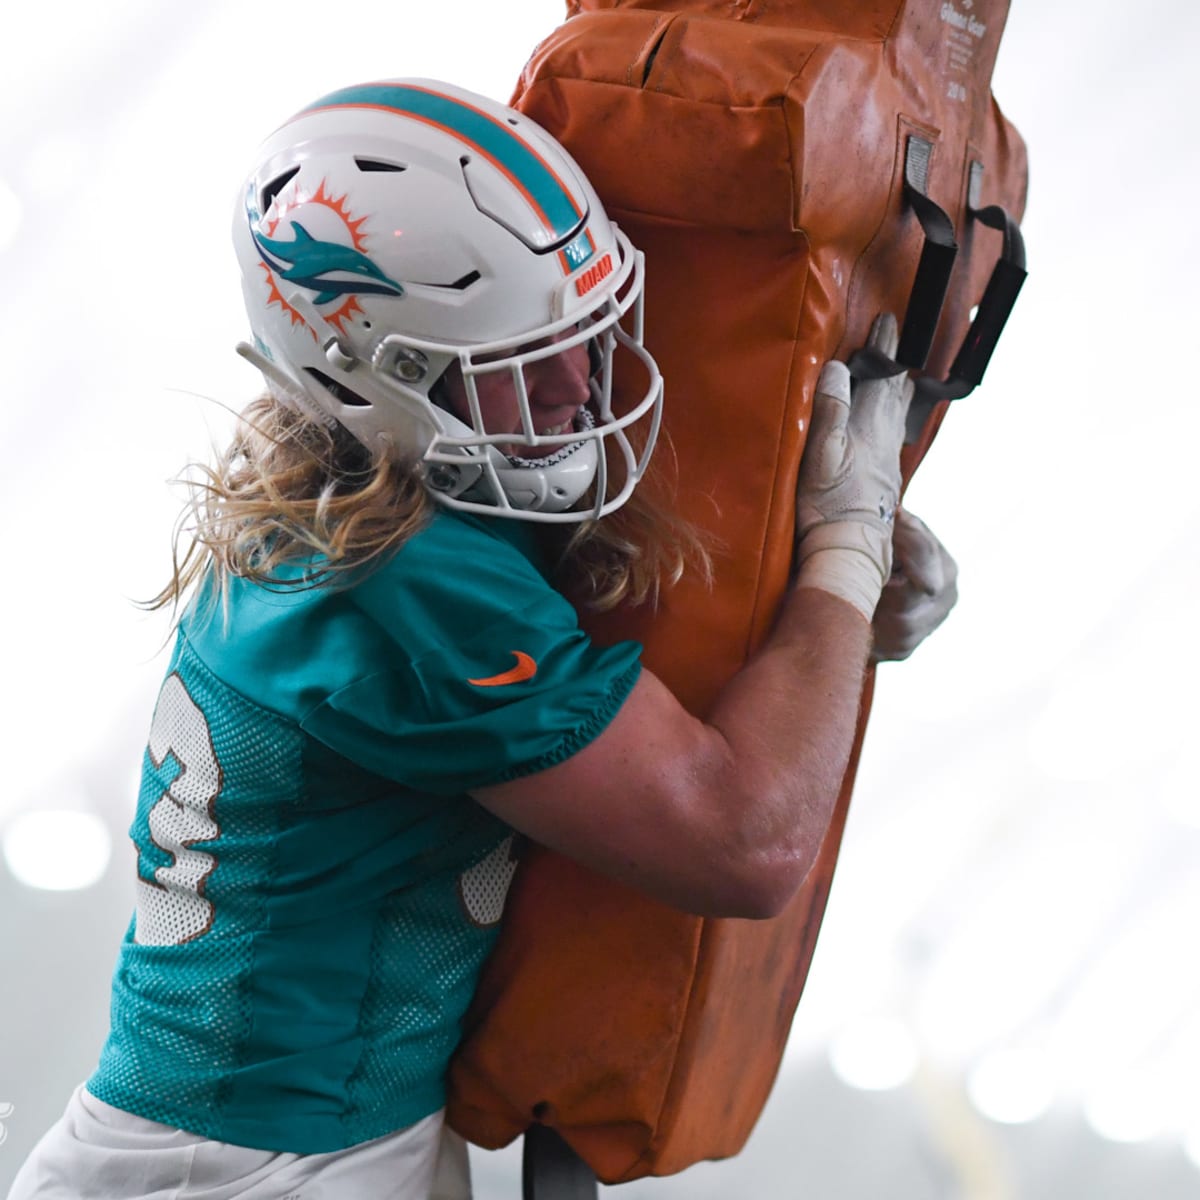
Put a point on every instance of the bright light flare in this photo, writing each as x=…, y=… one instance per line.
x=57, y=850
x=874, y=1054
x=1125, y=1110
x=1012, y=1087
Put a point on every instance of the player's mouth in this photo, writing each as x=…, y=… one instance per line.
x=574, y=421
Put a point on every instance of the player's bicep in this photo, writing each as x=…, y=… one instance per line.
x=634, y=803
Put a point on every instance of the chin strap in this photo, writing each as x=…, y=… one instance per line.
x=335, y=350
x=283, y=387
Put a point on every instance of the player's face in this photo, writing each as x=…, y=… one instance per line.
x=557, y=386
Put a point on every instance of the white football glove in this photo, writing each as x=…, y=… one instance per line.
x=849, y=483
x=920, y=594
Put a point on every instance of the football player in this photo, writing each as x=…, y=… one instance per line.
x=377, y=678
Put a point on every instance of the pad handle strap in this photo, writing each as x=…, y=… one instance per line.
x=999, y=296
x=932, y=280
x=929, y=291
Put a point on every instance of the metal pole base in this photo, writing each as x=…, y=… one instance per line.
x=551, y=1170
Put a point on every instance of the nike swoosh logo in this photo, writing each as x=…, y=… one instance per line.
x=526, y=668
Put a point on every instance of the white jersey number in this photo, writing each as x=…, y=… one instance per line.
x=483, y=889
x=172, y=909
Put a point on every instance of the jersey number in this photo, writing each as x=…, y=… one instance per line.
x=173, y=909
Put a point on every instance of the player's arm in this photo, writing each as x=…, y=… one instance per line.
x=725, y=816
x=722, y=816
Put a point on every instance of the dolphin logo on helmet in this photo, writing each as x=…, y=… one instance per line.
x=323, y=266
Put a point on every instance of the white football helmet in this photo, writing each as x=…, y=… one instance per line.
x=391, y=231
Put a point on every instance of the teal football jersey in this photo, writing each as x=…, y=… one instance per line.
x=316, y=891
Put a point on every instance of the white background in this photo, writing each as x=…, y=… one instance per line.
x=1019, y=881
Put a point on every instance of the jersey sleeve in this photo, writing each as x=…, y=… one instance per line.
x=487, y=677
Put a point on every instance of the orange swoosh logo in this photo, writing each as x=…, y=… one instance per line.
x=526, y=668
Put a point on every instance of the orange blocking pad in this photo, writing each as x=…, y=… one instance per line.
x=758, y=153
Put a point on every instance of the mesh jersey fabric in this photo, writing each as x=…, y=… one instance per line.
x=316, y=893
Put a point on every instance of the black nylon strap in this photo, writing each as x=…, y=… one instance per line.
x=1003, y=287
x=931, y=281
x=999, y=296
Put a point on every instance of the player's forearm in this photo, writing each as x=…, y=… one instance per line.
x=723, y=816
x=788, y=721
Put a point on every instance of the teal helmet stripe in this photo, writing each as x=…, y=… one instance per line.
x=531, y=174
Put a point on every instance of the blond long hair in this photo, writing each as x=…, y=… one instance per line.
x=290, y=490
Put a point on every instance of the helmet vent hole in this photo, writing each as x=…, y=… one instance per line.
x=350, y=398
x=377, y=164
x=461, y=285
x=275, y=187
